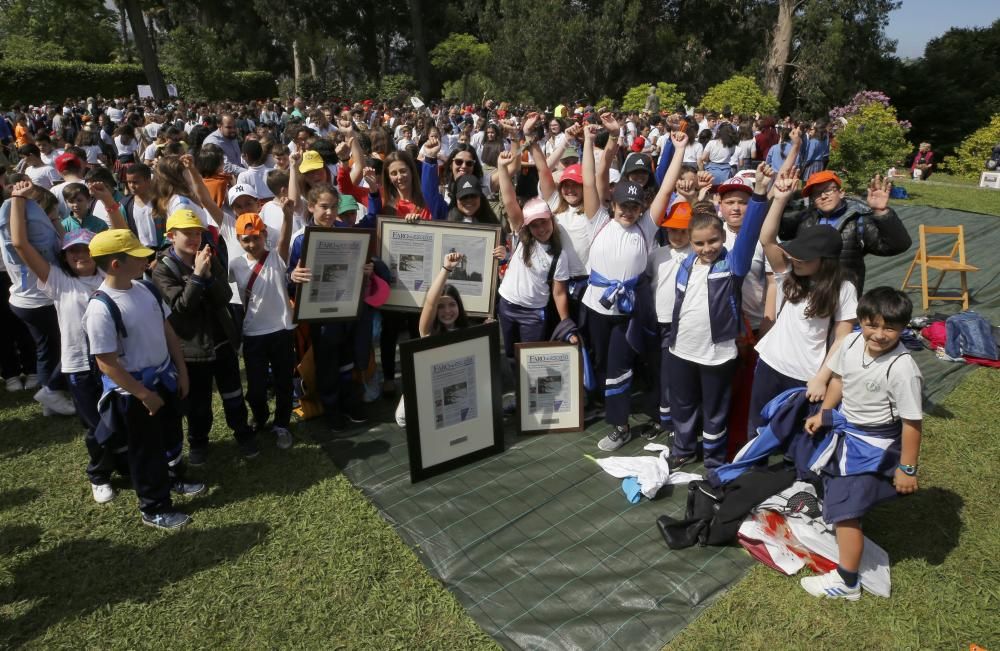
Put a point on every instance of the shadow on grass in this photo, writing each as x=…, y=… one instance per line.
x=17, y=497
x=20, y=436
x=926, y=525
x=17, y=537
x=79, y=577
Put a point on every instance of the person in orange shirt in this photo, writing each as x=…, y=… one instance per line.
x=22, y=136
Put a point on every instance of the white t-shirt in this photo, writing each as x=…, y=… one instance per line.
x=93, y=153
x=144, y=223
x=146, y=344
x=71, y=295
x=874, y=393
x=126, y=149
x=50, y=158
x=267, y=310
x=528, y=287
x=694, y=324
x=577, y=232
x=796, y=346
x=717, y=153
x=153, y=129
x=256, y=178
x=57, y=190
x=692, y=153
x=746, y=149
x=664, y=261
x=44, y=176
x=617, y=253
x=150, y=153
x=755, y=282
x=24, y=291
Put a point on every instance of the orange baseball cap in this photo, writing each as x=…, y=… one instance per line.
x=249, y=223
x=678, y=215
x=819, y=178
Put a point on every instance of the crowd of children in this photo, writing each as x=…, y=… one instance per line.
x=139, y=293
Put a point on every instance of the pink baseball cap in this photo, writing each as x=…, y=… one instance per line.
x=535, y=209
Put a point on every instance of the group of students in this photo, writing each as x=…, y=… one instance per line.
x=657, y=268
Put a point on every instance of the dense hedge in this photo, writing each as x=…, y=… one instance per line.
x=36, y=81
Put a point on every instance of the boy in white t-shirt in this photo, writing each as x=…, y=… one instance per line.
x=267, y=322
x=870, y=455
x=40, y=173
x=145, y=375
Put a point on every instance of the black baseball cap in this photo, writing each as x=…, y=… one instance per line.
x=466, y=185
x=627, y=191
x=819, y=241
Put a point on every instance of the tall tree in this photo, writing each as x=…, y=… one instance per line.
x=776, y=63
x=150, y=62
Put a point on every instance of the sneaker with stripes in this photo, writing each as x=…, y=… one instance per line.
x=831, y=586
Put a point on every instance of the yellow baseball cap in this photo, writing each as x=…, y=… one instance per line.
x=183, y=218
x=311, y=160
x=118, y=240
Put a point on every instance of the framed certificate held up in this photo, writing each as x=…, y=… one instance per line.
x=336, y=257
x=414, y=253
x=452, y=397
x=549, y=387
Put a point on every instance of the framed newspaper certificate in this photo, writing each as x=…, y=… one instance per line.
x=452, y=398
x=414, y=253
x=549, y=387
x=336, y=257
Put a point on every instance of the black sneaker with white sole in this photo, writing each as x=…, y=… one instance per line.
x=678, y=462
x=166, y=521
x=187, y=488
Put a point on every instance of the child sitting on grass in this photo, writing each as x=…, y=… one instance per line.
x=870, y=453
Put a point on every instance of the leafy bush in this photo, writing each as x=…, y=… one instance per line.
x=970, y=158
x=872, y=142
x=635, y=97
x=742, y=95
x=390, y=87
x=28, y=48
x=606, y=103
x=472, y=88
x=37, y=81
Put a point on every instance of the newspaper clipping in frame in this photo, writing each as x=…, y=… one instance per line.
x=549, y=386
x=467, y=277
x=411, y=260
x=455, y=396
x=336, y=265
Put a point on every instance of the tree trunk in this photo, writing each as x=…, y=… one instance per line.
x=776, y=64
x=123, y=28
x=420, y=63
x=144, y=46
x=297, y=67
x=312, y=68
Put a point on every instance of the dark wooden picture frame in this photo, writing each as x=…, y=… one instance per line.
x=435, y=445
x=340, y=310
x=436, y=244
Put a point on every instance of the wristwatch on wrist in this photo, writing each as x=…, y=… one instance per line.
x=908, y=470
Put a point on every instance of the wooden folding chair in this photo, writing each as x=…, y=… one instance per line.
x=942, y=263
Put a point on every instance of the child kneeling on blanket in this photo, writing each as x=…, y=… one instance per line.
x=880, y=416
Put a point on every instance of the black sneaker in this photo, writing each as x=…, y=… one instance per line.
x=678, y=462
x=338, y=422
x=248, y=448
x=197, y=456
x=187, y=488
x=357, y=416
x=166, y=521
x=653, y=430
x=616, y=438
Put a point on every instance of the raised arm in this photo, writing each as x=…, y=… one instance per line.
x=795, y=136
x=785, y=184
x=103, y=194
x=429, y=311
x=662, y=198
x=19, y=231
x=509, y=195
x=591, y=198
x=294, y=193
x=429, y=185
x=285, y=234
x=888, y=235
x=665, y=157
x=546, y=184
x=609, y=122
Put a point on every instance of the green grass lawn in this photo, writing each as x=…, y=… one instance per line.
x=949, y=192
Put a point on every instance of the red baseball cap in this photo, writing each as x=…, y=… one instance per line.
x=66, y=160
x=573, y=173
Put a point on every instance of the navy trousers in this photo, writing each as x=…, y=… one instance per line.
x=614, y=363
x=519, y=324
x=767, y=383
x=699, y=402
x=225, y=371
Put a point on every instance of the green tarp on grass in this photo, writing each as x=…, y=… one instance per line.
x=541, y=547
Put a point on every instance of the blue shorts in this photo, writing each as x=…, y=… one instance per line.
x=851, y=496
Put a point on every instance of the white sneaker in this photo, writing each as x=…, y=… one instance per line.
x=284, y=437
x=30, y=382
x=103, y=493
x=54, y=402
x=830, y=586
x=14, y=384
